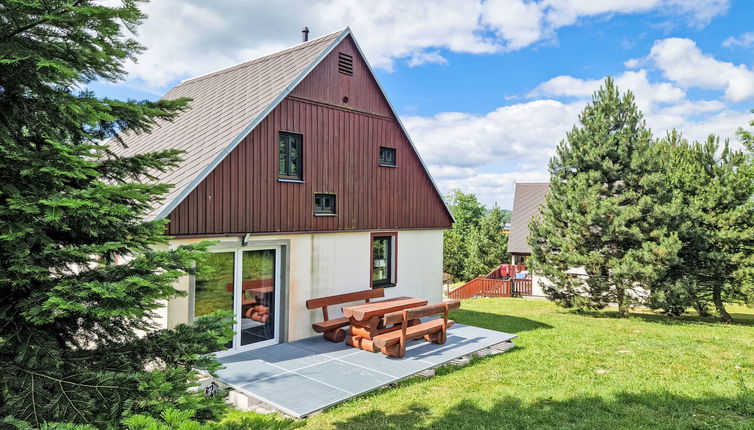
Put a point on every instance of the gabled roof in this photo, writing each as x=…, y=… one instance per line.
x=226, y=105
x=526, y=202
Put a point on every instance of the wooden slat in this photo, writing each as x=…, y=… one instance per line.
x=491, y=288
x=328, y=325
x=364, y=312
x=412, y=332
x=420, y=311
x=345, y=298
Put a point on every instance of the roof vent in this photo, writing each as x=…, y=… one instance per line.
x=305, y=34
x=345, y=64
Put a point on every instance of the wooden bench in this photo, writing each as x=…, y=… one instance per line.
x=333, y=328
x=393, y=343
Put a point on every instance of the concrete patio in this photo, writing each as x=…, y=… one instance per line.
x=302, y=377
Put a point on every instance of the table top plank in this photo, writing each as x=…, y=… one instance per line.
x=367, y=310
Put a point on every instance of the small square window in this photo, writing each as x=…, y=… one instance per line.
x=324, y=204
x=387, y=156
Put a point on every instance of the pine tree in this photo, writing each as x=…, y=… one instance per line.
x=603, y=215
x=713, y=215
x=71, y=321
x=488, y=247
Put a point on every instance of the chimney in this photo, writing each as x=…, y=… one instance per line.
x=305, y=34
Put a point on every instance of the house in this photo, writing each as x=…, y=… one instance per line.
x=299, y=168
x=527, y=199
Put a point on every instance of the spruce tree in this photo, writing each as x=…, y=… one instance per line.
x=72, y=323
x=601, y=238
x=488, y=247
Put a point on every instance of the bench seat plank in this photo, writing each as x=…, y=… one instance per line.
x=332, y=324
x=412, y=332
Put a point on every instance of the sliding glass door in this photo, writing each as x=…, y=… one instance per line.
x=247, y=282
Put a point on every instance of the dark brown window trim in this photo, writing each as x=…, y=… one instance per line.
x=300, y=176
x=393, y=281
x=323, y=212
x=388, y=150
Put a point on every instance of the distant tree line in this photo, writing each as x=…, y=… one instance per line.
x=633, y=219
x=476, y=244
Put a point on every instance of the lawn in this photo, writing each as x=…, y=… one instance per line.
x=576, y=371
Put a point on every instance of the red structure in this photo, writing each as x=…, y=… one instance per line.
x=344, y=120
x=500, y=282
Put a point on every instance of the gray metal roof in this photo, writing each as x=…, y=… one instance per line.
x=226, y=106
x=526, y=202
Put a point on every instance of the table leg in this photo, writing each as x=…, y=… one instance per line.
x=361, y=343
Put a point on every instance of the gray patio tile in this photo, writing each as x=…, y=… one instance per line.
x=454, y=347
x=288, y=356
x=319, y=345
x=244, y=368
x=396, y=367
x=328, y=373
x=296, y=394
x=346, y=376
x=485, y=336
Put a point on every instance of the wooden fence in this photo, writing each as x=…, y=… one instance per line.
x=485, y=287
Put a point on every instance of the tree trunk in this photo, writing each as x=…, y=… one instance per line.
x=701, y=309
x=622, y=302
x=717, y=299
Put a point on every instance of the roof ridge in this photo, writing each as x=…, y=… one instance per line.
x=261, y=59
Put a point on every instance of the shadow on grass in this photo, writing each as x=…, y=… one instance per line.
x=498, y=322
x=623, y=411
x=738, y=318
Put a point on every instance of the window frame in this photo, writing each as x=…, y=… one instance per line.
x=395, y=157
x=286, y=176
x=322, y=212
x=392, y=260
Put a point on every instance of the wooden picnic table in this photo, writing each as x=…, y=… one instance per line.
x=366, y=321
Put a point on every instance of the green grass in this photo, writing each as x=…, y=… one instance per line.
x=576, y=371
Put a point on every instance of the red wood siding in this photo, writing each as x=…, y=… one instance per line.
x=341, y=156
x=326, y=84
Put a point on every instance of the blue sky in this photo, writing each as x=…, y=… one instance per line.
x=486, y=88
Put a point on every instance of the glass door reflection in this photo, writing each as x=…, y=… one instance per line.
x=258, y=301
x=214, y=287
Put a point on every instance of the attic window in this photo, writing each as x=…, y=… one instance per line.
x=345, y=64
x=387, y=156
x=324, y=204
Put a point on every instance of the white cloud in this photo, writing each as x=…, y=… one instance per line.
x=518, y=139
x=464, y=150
x=426, y=58
x=515, y=21
x=493, y=188
x=450, y=172
x=191, y=37
x=681, y=61
x=648, y=95
x=518, y=133
x=745, y=40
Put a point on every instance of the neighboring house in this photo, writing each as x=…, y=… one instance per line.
x=299, y=167
x=527, y=200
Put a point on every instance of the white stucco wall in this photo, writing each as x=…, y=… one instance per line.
x=537, y=283
x=336, y=263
